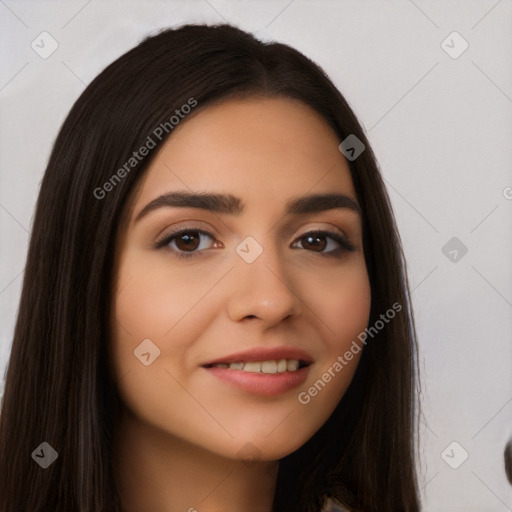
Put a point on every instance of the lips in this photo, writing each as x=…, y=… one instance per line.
x=264, y=354
x=263, y=384
x=262, y=371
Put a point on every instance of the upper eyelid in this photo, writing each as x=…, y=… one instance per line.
x=211, y=232
x=166, y=234
x=352, y=224
x=351, y=218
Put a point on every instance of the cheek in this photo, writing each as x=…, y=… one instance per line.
x=157, y=303
x=151, y=299
x=343, y=304
x=153, y=303
x=141, y=311
x=343, y=311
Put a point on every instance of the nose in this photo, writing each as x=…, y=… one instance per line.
x=263, y=289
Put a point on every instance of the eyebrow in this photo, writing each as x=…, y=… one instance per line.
x=231, y=205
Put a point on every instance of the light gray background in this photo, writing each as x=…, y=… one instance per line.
x=441, y=128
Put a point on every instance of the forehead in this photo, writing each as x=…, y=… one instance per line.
x=264, y=150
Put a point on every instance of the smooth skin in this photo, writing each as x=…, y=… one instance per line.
x=181, y=442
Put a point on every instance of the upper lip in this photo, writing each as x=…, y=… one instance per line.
x=264, y=354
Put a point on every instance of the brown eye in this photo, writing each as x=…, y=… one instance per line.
x=314, y=242
x=319, y=241
x=187, y=241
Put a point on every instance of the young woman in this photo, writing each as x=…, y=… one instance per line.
x=215, y=312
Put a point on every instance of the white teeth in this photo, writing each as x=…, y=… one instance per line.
x=272, y=366
x=292, y=365
x=252, y=366
x=269, y=367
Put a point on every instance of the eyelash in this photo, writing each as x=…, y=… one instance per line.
x=345, y=245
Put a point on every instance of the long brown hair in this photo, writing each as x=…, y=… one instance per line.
x=59, y=387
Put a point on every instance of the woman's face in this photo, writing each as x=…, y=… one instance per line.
x=245, y=282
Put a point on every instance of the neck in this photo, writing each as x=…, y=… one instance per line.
x=159, y=472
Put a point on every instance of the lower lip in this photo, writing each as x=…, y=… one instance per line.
x=267, y=384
